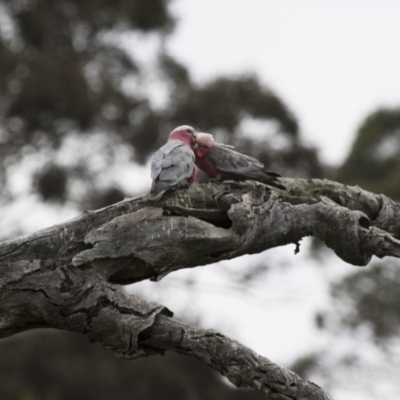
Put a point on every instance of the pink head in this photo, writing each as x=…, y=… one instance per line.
x=185, y=134
x=204, y=143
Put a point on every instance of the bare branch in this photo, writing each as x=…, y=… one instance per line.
x=216, y=222
x=64, y=276
x=239, y=364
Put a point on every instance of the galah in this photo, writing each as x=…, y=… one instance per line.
x=223, y=162
x=173, y=164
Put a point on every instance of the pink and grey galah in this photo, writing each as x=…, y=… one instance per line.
x=173, y=164
x=221, y=161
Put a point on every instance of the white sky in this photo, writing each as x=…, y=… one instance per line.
x=331, y=61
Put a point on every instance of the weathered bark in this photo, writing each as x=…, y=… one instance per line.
x=64, y=276
x=239, y=364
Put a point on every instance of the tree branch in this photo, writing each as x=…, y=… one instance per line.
x=240, y=365
x=215, y=222
x=64, y=276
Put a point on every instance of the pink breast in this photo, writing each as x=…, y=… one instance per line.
x=205, y=165
x=192, y=177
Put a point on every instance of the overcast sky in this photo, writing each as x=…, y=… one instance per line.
x=331, y=61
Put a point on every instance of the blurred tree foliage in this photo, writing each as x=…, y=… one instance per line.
x=374, y=160
x=374, y=296
x=367, y=300
x=374, y=164
x=70, y=72
x=61, y=73
x=64, y=70
x=65, y=366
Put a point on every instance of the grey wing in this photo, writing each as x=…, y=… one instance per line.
x=177, y=166
x=227, y=160
x=161, y=157
x=171, y=166
x=228, y=146
x=156, y=164
x=234, y=153
x=237, y=166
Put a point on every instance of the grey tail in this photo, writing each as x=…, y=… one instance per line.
x=153, y=196
x=271, y=174
x=272, y=179
x=274, y=183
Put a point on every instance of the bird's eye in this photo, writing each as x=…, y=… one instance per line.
x=189, y=131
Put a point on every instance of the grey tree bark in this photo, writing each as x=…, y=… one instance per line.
x=67, y=276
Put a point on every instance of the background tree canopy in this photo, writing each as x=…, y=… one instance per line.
x=66, y=72
x=374, y=161
x=77, y=99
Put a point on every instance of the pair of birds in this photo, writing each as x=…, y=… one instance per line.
x=174, y=164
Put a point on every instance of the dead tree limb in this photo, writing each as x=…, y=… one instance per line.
x=65, y=276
